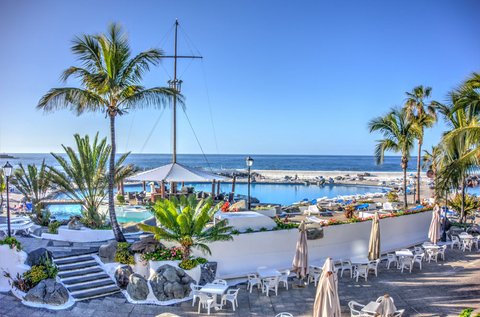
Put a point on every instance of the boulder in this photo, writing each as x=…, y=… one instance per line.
x=107, y=252
x=122, y=275
x=170, y=283
x=137, y=287
x=208, y=272
x=146, y=245
x=37, y=256
x=48, y=292
x=314, y=233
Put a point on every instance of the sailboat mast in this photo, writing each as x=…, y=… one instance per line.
x=174, y=126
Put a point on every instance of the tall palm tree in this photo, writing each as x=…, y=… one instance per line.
x=110, y=82
x=424, y=116
x=399, y=133
x=185, y=221
x=83, y=177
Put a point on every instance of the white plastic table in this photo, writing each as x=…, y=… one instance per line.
x=403, y=253
x=431, y=246
x=371, y=308
x=214, y=289
x=268, y=272
x=360, y=260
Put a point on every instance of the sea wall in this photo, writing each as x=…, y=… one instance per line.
x=276, y=248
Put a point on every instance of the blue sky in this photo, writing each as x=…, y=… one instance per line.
x=279, y=77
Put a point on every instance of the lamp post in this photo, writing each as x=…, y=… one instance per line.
x=7, y=171
x=249, y=162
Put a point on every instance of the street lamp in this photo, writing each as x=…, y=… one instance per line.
x=7, y=171
x=249, y=162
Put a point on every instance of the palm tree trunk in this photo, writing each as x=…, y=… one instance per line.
x=405, y=187
x=418, y=170
x=462, y=212
x=111, y=183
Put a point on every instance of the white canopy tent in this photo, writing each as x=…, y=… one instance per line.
x=175, y=172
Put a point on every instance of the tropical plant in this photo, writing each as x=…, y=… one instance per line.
x=185, y=221
x=33, y=182
x=110, y=82
x=424, y=116
x=399, y=133
x=53, y=227
x=83, y=177
x=469, y=203
x=12, y=243
x=392, y=196
x=123, y=254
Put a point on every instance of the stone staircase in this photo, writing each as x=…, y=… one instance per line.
x=83, y=277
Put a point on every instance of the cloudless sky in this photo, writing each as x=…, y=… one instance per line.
x=278, y=77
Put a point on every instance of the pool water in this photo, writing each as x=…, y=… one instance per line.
x=284, y=194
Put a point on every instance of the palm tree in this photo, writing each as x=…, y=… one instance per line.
x=110, y=82
x=83, y=177
x=399, y=132
x=424, y=116
x=431, y=160
x=185, y=221
x=34, y=183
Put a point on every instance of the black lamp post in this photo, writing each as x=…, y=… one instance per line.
x=249, y=162
x=7, y=171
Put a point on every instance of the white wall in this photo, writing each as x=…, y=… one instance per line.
x=276, y=248
x=11, y=261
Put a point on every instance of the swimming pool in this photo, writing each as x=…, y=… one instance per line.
x=284, y=194
x=124, y=214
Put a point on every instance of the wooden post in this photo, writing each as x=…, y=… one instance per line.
x=162, y=189
x=218, y=188
x=213, y=189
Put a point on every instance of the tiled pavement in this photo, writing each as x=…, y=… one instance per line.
x=440, y=289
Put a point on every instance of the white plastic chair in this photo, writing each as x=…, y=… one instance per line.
x=380, y=299
x=418, y=258
x=270, y=284
x=456, y=242
x=356, y=309
x=418, y=250
x=391, y=258
x=347, y=266
x=253, y=280
x=441, y=251
x=231, y=296
x=206, y=302
x=406, y=262
x=361, y=271
x=476, y=241
x=467, y=244
x=284, y=314
x=219, y=282
x=284, y=278
x=399, y=313
x=195, y=291
x=373, y=266
x=314, y=274
x=432, y=255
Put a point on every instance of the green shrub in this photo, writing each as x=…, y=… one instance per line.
x=53, y=227
x=12, y=242
x=263, y=229
x=201, y=260
x=166, y=254
x=285, y=224
x=35, y=275
x=467, y=312
x=268, y=207
x=123, y=254
x=121, y=199
x=235, y=232
x=188, y=264
x=249, y=230
x=392, y=196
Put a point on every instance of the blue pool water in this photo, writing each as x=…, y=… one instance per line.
x=284, y=194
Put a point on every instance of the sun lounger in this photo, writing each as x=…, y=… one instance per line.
x=17, y=226
x=316, y=220
x=313, y=209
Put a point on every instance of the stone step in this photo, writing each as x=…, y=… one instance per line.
x=70, y=253
x=73, y=259
x=85, y=278
x=79, y=272
x=94, y=293
x=74, y=266
x=90, y=285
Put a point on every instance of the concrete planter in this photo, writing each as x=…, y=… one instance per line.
x=82, y=235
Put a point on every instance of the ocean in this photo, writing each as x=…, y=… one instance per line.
x=236, y=161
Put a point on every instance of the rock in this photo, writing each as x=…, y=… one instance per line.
x=208, y=272
x=74, y=224
x=107, y=252
x=137, y=287
x=48, y=292
x=170, y=283
x=35, y=257
x=122, y=275
x=314, y=233
x=146, y=245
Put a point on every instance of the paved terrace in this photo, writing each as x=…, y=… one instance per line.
x=440, y=289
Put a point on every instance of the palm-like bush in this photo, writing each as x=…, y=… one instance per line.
x=110, y=81
x=399, y=131
x=33, y=182
x=185, y=221
x=84, y=175
x=469, y=203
